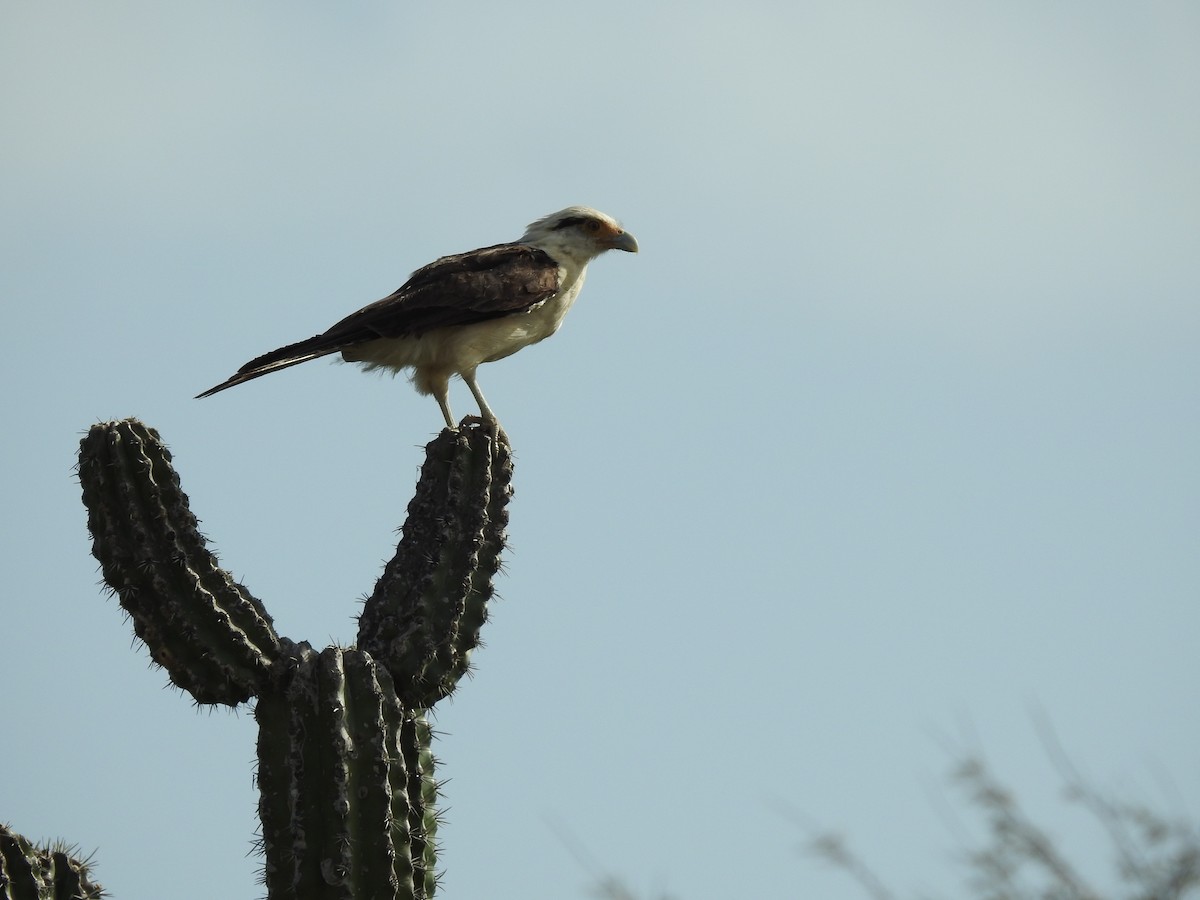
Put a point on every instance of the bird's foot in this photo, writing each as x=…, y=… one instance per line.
x=490, y=424
x=479, y=420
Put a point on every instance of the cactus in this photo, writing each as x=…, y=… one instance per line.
x=30, y=871
x=345, y=764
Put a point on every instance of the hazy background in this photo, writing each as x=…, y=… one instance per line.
x=888, y=436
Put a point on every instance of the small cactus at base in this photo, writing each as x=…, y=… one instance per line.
x=345, y=763
x=32, y=872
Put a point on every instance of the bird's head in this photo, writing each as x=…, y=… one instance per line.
x=578, y=234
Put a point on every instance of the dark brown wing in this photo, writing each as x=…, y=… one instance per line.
x=454, y=290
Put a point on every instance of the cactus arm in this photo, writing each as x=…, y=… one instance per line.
x=213, y=637
x=424, y=617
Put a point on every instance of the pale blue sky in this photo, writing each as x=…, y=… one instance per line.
x=888, y=435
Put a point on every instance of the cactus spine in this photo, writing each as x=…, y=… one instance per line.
x=345, y=766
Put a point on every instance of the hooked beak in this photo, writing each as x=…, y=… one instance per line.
x=624, y=241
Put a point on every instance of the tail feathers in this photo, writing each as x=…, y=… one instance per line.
x=284, y=357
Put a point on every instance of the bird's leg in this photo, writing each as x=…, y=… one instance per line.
x=433, y=381
x=443, y=399
x=484, y=409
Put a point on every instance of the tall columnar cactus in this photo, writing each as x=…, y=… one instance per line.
x=345, y=768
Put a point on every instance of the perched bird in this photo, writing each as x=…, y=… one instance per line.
x=466, y=309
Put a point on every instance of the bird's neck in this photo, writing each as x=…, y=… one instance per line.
x=567, y=254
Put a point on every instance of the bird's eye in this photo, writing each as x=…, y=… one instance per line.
x=591, y=226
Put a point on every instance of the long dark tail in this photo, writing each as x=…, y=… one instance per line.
x=291, y=355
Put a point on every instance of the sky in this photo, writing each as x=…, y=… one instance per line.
x=880, y=452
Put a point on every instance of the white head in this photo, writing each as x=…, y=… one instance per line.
x=578, y=234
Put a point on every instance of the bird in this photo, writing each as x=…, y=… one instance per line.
x=463, y=310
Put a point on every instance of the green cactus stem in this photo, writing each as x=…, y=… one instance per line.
x=425, y=615
x=32, y=872
x=345, y=783
x=213, y=637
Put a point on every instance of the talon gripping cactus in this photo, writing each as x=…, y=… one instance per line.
x=345, y=768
